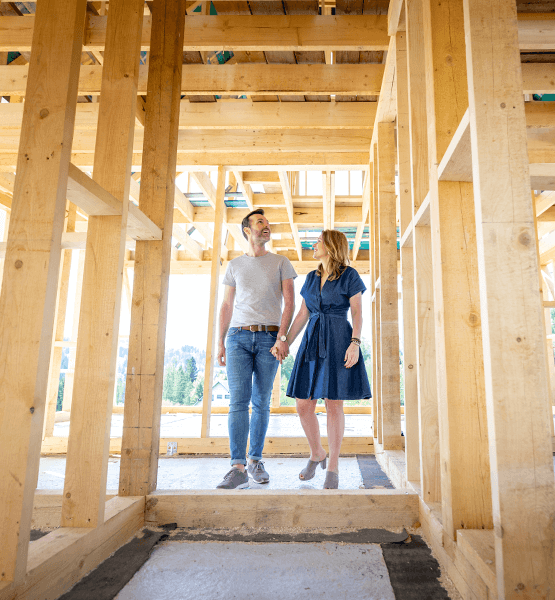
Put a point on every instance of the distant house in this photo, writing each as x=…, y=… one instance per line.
x=220, y=394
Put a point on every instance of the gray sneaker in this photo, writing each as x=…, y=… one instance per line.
x=234, y=480
x=257, y=472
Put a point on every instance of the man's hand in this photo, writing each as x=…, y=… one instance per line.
x=280, y=350
x=221, y=353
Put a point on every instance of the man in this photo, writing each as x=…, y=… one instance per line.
x=256, y=282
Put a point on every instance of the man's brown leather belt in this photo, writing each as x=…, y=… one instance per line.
x=260, y=327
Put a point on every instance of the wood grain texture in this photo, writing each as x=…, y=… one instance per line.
x=389, y=298
x=60, y=559
x=89, y=439
x=220, y=445
x=278, y=508
x=30, y=280
x=465, y=468
x=251, y=79
x=426, y=366
x=145, y=367
x=212, y=311
x=523, y=486
x=61, y=307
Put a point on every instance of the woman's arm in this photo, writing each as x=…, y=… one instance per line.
x=352, y=354
x=299, y=323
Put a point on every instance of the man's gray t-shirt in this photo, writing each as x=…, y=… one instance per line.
x=257, y=282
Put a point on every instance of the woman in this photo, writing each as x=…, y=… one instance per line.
x=329, y=364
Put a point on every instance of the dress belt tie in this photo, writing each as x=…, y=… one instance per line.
x=317, y=330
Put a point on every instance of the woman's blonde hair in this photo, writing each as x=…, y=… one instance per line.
x=337, y=246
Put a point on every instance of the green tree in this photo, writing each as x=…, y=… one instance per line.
x=191, y=370
x=169, y=383
x=287, y=366
x=120, y=389
x=60, y=398
x=179, y=385
x=198, y=390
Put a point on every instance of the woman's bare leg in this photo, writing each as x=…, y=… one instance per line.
x=336, y=428
x=309, y=421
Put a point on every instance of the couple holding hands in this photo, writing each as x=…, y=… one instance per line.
x=255, y=335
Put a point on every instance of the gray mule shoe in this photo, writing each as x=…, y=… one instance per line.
x=308, y=472
x=332, y=481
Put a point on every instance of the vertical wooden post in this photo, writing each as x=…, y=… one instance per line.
x=417, y=102
x=89, y=436
x=68, y=385
x=32, y=264
x=389, y=296
x=213, y=310
x=412, y=435
x=376, y=347
x=60, y=319
x=276, y=390
x=145, y=367
x=465, y=476
x=516, y=380
x=424, y=301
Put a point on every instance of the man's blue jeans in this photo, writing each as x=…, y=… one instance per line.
x=251, y=370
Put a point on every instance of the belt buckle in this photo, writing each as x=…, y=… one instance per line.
x=253, y=328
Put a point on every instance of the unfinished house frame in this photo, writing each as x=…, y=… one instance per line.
x=438, y=103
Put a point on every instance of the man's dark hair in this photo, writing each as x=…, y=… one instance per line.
x=245, y=221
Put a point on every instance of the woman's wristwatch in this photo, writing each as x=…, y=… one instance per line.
x=355, y=341
x=282, y=338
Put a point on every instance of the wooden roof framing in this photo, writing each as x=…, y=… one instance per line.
x=364, y=86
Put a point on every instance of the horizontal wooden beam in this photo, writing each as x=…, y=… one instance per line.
x=239, y=79
x=93, y=199
x=196, y=267
x=235, y=114
x=234, y=141
x=344, y=215
x=60, y=559
x=456, y=164
x=220, y=445
x=233, y=32
x=283, y=508
x=277, y=33
x=244, y=161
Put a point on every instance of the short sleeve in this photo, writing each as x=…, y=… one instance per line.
x=286, y=270
x=306, y=284
x=354, y=283
x=229, y=278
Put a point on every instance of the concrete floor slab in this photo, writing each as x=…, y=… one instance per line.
x=214, y=571
x=205, y=473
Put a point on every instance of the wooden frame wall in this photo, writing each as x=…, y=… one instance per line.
x=478, y=459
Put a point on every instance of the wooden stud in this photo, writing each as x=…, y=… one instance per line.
x=27, y=300
x=424, y=319
x=376, y=348
x=417, y=103
x=60, y=319
x=287, y=196
x=97, y=342
x=523, y=486
x=212, y=311
x=426, y=367
x=145, y=367
x=412, y=435
x=465, y=470
x=389, y=325
x=69, y=380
